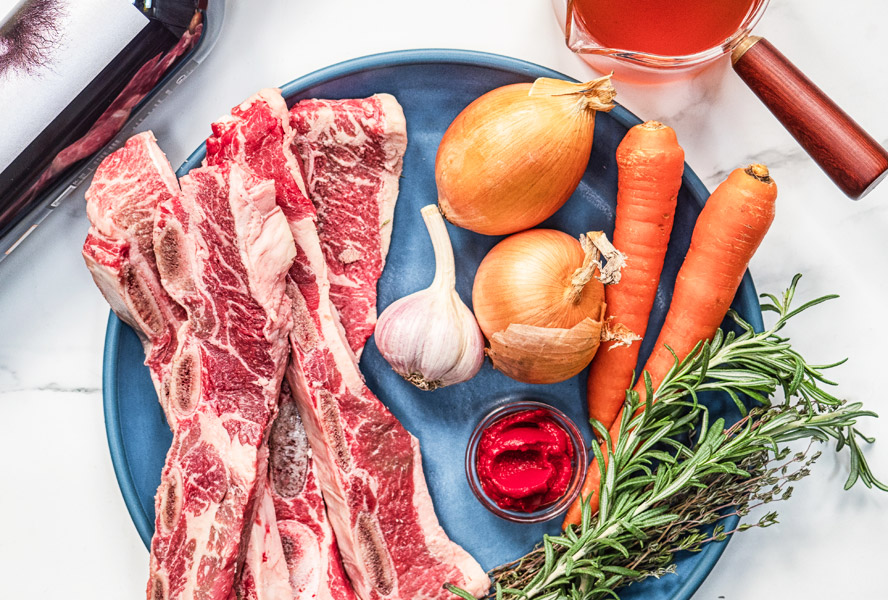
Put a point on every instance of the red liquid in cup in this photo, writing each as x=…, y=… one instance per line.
x=665, y=27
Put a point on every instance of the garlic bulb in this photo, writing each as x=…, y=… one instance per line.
x=431, y=337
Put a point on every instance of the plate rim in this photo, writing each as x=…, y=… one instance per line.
x=710, y=553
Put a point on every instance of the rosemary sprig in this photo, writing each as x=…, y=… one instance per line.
x=672, y=475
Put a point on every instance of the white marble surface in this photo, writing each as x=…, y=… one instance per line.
x=65, y=529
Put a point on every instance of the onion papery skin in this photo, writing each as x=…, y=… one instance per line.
x=511, y=160
x=545, y=354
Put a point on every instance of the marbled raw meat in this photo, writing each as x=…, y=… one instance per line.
x=369, y=466
x=119, y=251
x=254, y=138
x=351, y=152
x=355, y=209
x=223, y=251
x=313, y=559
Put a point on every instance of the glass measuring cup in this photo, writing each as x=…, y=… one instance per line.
x=645, y=66
x=847, y=154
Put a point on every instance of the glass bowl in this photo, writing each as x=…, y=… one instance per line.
x=578, y=464
x=637, y=65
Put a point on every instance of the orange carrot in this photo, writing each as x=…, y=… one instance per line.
x=650, y=164
x=727, y=233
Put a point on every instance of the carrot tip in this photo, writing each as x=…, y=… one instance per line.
x=759, y=171
x=653, y=125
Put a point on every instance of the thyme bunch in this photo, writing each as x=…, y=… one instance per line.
x=673, y=475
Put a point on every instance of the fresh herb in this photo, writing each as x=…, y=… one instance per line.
x=673, y=475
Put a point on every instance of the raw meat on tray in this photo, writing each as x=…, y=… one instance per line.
x=119, y=251
x=355, y=201
x=223, y=251
x=351, y=153
x=239, y=510
x=377, y=501
x=254, y=138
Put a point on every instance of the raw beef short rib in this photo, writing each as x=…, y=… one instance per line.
x=254, y=138
x=223, y=250
x=369, y=466
x=351, y=152
x=119, y=249
x=309, y=545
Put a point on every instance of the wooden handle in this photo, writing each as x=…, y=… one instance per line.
x=847, y=153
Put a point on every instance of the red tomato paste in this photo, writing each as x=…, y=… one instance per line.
x=524, y=461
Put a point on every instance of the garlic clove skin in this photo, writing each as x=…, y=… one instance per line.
x=430, y=337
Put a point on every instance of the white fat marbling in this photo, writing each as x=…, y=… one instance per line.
x=66, y=532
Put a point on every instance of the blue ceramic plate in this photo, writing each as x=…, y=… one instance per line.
x=432, y=86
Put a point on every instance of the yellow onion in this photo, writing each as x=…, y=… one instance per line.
x=515, y=155
x=539, y=299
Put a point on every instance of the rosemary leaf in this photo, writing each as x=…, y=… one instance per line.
x=674, y=474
